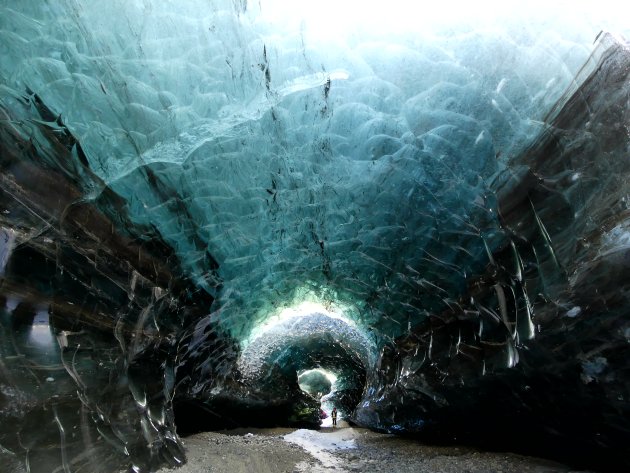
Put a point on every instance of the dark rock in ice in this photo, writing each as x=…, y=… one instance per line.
x=537, y=338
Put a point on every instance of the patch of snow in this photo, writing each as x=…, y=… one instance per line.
x=318, y=444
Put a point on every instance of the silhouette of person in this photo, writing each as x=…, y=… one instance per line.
x=334, y=416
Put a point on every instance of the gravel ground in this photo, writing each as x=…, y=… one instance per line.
x=266, y=451
x=241, y=452
x=382, y=453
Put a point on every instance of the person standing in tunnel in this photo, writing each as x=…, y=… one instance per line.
x=333, y=414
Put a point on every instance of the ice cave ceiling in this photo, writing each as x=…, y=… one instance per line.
x=202, y=200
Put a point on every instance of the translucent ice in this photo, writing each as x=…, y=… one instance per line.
x=447, y=187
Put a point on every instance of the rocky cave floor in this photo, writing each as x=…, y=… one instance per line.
x=344, y=449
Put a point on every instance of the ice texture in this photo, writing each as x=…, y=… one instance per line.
x=199, y=200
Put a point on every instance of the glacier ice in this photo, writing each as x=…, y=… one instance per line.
x=200, y=201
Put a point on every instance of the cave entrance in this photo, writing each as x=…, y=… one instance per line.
x=317, y=382
x=313, y=357
x=320, y=384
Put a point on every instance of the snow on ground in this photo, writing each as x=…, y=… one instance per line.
x=318, y=444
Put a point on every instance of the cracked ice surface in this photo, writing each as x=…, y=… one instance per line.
x=176, y=173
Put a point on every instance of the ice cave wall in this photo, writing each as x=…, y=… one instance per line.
x=176, y=176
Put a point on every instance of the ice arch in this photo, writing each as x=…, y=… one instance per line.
x=316, y=381
x=173, y=174
x=311, y=340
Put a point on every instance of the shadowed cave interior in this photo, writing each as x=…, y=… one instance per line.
x=219, y=214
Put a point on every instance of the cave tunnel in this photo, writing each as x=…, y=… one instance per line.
x=200, y=201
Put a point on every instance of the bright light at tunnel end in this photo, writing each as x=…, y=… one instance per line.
x=301, y=309
x=307, y=308
x=330, y=376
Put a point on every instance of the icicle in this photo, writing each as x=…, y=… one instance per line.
x=531, y=330
x=490, y=257
x=62, y=437
x=459, y=341
x=512, y=355
x=545, y=235
x=518, y=262
x=502, y=304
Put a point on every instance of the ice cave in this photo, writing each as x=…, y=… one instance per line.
x=219, y=213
